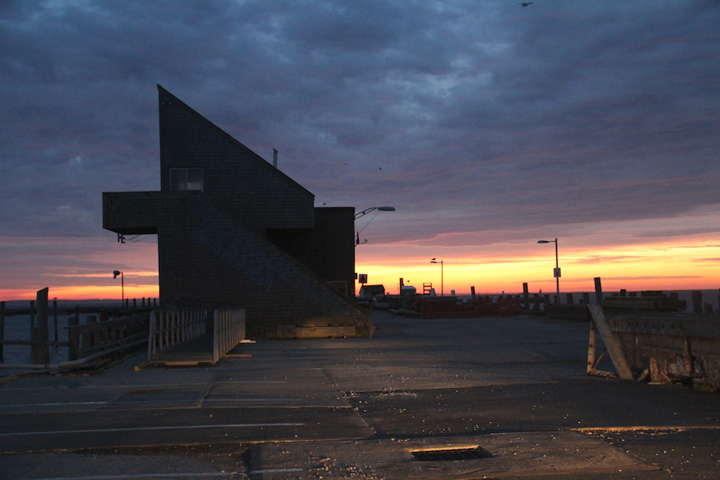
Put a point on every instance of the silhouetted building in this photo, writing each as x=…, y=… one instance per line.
x=368, y=292
x=233, y=230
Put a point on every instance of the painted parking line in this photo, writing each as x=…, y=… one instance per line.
x=53, y=404
x=152, y=475
x=148, y=429
x=275, y=470
x=135, y=386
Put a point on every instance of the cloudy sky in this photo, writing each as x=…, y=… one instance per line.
x=486, y=124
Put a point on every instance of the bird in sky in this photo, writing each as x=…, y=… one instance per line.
x=525, y=4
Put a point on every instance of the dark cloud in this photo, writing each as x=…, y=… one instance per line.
x=470, y=116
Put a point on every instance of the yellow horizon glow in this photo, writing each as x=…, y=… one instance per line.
x=654, y=266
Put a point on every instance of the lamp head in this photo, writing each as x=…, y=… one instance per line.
x=386, y=209
x=116, y=273
x=544, y=241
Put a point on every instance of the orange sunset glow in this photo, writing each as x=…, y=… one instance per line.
x=657, y=266
x=686, y=264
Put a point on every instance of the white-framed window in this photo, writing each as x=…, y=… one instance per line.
x=186, y=179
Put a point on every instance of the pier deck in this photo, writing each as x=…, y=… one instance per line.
x=515, y=387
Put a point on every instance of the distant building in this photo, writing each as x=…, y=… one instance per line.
x=368, y=292
x=233, y=230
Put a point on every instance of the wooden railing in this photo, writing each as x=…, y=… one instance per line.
x=228, y=331
x=91, y=338
x=172, y=327
x=189, y=337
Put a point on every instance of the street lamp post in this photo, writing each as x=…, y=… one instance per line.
x=365, y=212
x=442, y=293
x=122, y=284
x=556, y=272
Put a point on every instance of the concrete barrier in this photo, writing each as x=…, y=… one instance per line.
x=662, y=347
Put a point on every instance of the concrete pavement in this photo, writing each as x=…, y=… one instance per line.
x=359, y=408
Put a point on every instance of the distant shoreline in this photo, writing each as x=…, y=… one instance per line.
x=709, y=296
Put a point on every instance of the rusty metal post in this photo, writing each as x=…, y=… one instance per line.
x=591, y=347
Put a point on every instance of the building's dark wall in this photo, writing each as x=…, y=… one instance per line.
x=237, y=180
x=332, y=253
x=207, y=258
x=131, y=213
x=251, y=237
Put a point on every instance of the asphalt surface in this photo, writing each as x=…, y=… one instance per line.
x=507, y=395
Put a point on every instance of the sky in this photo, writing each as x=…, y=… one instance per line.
x=487, y=125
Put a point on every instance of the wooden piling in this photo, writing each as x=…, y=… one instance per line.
x=2, y=328
x=55, y=320
x=88, y=340
x=40, y=350
x=73, y=347
x=697, y=304
x=526, y=296
x=598, y=291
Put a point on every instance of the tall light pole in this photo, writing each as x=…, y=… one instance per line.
x=442, y=293
x=122, y=284
x=365, y=212
x=556, y=272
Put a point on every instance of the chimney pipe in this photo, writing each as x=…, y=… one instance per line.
x=275, y=152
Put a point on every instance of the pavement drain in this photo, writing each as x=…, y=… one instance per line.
x=450, y=454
